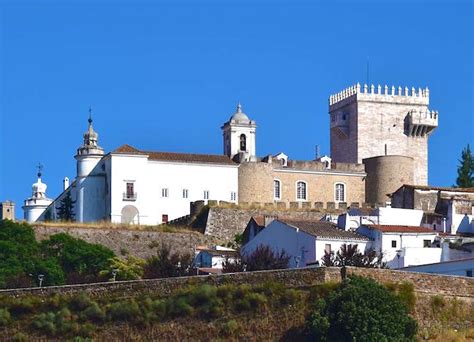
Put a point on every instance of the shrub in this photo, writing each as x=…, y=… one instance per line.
x=229, y=328
x=128, y=311
x=59, y=323
x=20, y=337
x=93, y=313
x=361, y=310
x=4, y=317
x=405, y=292
x=177, y=307
x=437, y=303
x=80, y=302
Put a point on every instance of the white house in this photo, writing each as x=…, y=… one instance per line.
x=403, y=245
x=355, y=217
x=210, y=260
x=463, y=267
x=129, y=185
x=304, y=241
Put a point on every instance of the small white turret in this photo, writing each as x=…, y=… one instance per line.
x=89, y=153
x=38, y=202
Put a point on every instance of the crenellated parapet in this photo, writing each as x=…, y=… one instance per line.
x=381, y=93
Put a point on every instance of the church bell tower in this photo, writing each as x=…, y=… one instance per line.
x=239, y=136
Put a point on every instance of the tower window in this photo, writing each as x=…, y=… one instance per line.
x=339, y=192
x=185, y=193
x=164, y=192
x=243, y=142
x=233, y=196
x=301, y=191
x=206, y=194
x=276, y=189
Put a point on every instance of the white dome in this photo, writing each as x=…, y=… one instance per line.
x=39, y=188
x=239, y=115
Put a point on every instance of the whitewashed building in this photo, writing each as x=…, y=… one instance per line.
x=462, y=267
x=129, y=185
x=403, y=245
x=304, y=241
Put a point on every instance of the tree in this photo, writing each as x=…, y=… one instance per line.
x=66, y=208
x=81, y=261
x=262, y=258
x=165, y=265
x=349, y=255
x=361, y=310
x=129, y=268
x=465, y=177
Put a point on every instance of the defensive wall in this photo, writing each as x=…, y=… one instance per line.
x=139, y=243
x=425, y=284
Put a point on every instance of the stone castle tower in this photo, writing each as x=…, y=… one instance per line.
x=374, y=121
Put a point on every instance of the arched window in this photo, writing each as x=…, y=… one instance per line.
x=301, y=191
x=340, y=192
x=276, y=189
x=243, y=142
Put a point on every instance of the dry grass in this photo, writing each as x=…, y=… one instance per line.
x=116, y=226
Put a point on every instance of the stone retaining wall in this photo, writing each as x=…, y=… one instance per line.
x=462, y=287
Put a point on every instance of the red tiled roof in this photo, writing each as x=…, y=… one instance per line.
x=260, y=220
x=174, y=156
x=401, y=229
x=438, y=188
x=323, y=229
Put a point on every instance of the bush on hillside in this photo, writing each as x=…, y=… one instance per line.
x=165, y=265
x=262, y=258
x=361, y=310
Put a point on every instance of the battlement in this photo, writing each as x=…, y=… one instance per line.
x=380, y=93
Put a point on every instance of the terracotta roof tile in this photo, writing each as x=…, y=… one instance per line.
x=324, y=229
x=438, y=188
x=401, y=229
x=174, y=156
x=260, y=220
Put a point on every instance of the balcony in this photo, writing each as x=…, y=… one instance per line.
x=129, y=196
x=419, y=124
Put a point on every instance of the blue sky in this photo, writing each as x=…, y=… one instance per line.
x=166, y=75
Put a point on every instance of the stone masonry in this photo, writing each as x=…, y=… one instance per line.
x=368, y=122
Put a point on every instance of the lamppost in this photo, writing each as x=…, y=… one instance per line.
x=40, y=278
x=114, y=274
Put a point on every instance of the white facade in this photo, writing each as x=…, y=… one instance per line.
x=355, y=217
x=302, y=247
x=402, y=246
x=464, y=267
x=137, y=187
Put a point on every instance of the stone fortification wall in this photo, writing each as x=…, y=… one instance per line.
x=428, y=284
x=385, y=174
x=224, y=223
x=140, y=243
x=255, y=182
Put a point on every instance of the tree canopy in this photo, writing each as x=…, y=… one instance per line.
x=349, y=255
x=465, y=177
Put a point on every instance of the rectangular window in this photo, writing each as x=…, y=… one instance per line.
x=129, y=194
x=185, y=193
x=468, y=273
x=276, y=189
x=301, y=191
x=164, y=218
x=206, y=194
x=426, y=243
x=164, y=192
x=233, y=196
x=327, y=248
x=394, y=243
x=340, y=192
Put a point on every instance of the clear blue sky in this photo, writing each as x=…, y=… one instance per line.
x=166, y=75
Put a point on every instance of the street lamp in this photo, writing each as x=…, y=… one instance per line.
x=114, y=274
x=40, y=278
x=297, y=261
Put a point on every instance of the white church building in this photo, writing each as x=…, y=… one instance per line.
x=129, y=185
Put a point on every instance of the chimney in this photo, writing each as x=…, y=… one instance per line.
x=65, y=183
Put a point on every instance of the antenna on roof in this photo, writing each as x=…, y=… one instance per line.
x=367, y=70
x=316, y=151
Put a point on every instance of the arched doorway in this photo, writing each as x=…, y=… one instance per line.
x=130, y=215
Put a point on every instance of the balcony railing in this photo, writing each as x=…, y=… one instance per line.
x=129, y=196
